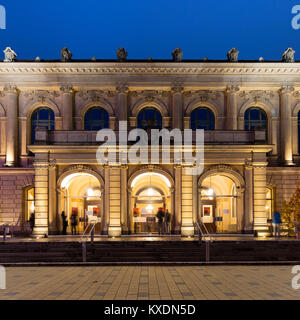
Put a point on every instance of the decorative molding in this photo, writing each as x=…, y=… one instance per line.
x=66, y=89
x=122, y=88
x=287, y=89
x=40, y=95
x=95, y=95
x=10, y=88
x=232, y=89
x=203, y=95
x=257, y=95
x=144, y=68
x=150, y=95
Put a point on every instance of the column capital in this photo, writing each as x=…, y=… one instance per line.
x=232, y=89
x=286, y=89
x=122, y=88
x=177, y=88
x=66, y=88
x=248, y=164
x=11, y=88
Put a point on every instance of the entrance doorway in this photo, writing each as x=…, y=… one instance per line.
x=219, y=204
x=81, y=195
x=150, y=194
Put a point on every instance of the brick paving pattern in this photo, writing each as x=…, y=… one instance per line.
x=150, y=283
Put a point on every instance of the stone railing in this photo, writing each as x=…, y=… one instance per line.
x=58, y=137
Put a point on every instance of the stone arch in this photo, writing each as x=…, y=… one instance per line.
x=146, y=169
x=262, y=103
x=296, y=109
x=198, y=104
x=30, y=107
x=227, y=171
x=143, y=103
x=104, y=105
x=80, y=169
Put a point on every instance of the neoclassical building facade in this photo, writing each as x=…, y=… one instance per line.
x=50, y=113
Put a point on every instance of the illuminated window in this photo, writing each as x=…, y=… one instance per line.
x=269, y=202
x=255, y=118
x=42, y=117
x=149, y=118
x=96, y=119
x=29, y=203
x=202, y=118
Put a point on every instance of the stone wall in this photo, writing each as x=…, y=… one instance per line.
x=12, y=183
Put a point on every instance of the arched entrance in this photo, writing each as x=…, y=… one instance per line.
x=150, y=192
x=221, y=202
x=81, y=193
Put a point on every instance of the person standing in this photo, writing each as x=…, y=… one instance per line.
x=276, y=224
x=32, y=221
x=64, y=223
x=160, y=216
x=297, y=229
x=167, y=222
x=74, y=223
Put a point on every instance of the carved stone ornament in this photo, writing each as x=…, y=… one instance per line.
x=66, y=54
x=177, y=55
x=95, y=95
x=122, y=54
x=233, y=55
x=9, y=54
x=150, y=95
x=257, y=94
x=203, y=95
x=288, y=55
x=40, y=95
x=66, y=89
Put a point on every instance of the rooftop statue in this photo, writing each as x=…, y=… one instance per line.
x=66, y=54
x=10, y=55
x=177, y=54
x=122, y=54
x=233, y=55
x=288, y=55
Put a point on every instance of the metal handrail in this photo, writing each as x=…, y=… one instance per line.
x=202, y=235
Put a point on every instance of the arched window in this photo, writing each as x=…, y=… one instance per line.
x=202, y=118
x=96, y=119
x=42, y=117
x=149, y=118
x=256, y=118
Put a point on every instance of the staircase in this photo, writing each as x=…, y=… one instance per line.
x=149, y=251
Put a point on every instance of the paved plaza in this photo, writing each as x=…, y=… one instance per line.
x=149, y=282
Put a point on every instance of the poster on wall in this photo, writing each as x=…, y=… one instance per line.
x=207, y=213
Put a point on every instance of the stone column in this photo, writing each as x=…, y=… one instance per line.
x=177, y=108
x=275, y=121
x=124, y=203
x=114, y=228
x=286, y=124
x=177, y=209
x=130, y=209
x=248, y=213
x=67, y=107
x=106, y=199
x=41, y=198
x=259, y=193
x=231, y=107
x=122, y=102
x=53, y=212
x=11, y=94
x=195, y=198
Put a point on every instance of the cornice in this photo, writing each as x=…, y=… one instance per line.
x=153, y=68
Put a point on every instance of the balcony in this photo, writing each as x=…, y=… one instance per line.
x=58, y=137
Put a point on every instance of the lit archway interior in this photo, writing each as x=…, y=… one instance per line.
x=81, y=193
x=150, y=191
x=218, y=203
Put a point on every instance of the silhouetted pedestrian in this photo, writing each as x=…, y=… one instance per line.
x=160, y=216
x=32, y=221
x=74, y=223
x=64, y=223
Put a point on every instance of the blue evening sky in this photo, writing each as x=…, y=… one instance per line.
x=150, y=28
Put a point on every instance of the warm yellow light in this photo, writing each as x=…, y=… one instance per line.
x=32, y=207
x=90, y=192
x=150, y=192
x=267, y=208
x=210, y=192
x=149, y=208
